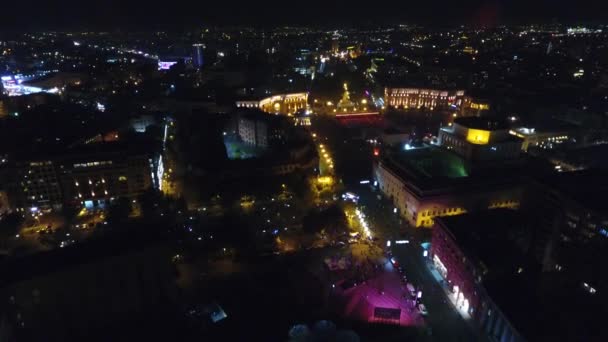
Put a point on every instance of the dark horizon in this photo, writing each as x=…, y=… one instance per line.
x=179, y=14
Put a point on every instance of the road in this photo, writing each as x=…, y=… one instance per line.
x=444, y=322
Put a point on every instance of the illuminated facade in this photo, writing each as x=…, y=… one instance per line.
x=468, y=249
x=253, y=132
x=38, y=186
x=474, y=106
x=480, y=140
x=422, y=97
x=94, y=183
x=286, y=104
x=542, y=139
x=87, y=178
x=424, y=185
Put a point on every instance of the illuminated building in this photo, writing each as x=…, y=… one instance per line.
x=542, y=138
x=335, y=43
x=474, y=106
x=302, y=119
x=471, y=250
x=253, y=130
x=432, y=182
x=38, y=186
x=90, y=175
x=549, y=255
x=197, y=55
x=280, y=104
x=423, y=97
x=480, y=140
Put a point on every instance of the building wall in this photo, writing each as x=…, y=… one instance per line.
x=37, y=186
x=93, y=179
x=420, y=97
x=461, y=274
x=253, y=132
x=98, y=184
x=281, y=103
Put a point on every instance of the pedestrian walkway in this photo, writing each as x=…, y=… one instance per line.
x=383, y=291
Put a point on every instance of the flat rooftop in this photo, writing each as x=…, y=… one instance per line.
x=587, y=187
x=432, y=162
x=487, y=237
x=485, y=123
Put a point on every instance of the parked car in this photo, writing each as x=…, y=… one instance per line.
x=411, y=289
x=422, y=309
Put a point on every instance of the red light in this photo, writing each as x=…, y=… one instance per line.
x=376, y=152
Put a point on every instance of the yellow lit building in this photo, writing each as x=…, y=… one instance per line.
x=431, y=182
x=286, y=104
x=443, y=181
x=474, y=106
x=479, y=139
x=422, y=97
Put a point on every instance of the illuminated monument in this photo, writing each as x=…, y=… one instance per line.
x=345, y=103
x=347, y=109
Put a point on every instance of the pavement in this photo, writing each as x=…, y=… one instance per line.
x=385, y=290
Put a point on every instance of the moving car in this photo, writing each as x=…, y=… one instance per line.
x=394, y=262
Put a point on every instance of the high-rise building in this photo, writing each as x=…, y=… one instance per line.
x=197, y=55
x=91, y=175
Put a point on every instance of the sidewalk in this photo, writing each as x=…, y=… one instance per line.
x=465, y=315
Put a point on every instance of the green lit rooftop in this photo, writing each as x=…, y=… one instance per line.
x=431, y=162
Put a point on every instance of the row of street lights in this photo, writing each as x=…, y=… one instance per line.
x=363, y=223
x=326, y=156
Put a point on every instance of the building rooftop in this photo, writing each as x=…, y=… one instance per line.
x=587, y=187
x=485, y=123
x=534, y=302
x=432, y=162
x=437, y=170
x=129, y=147
x=490, y=238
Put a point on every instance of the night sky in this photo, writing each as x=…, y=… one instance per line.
x=35, y=14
